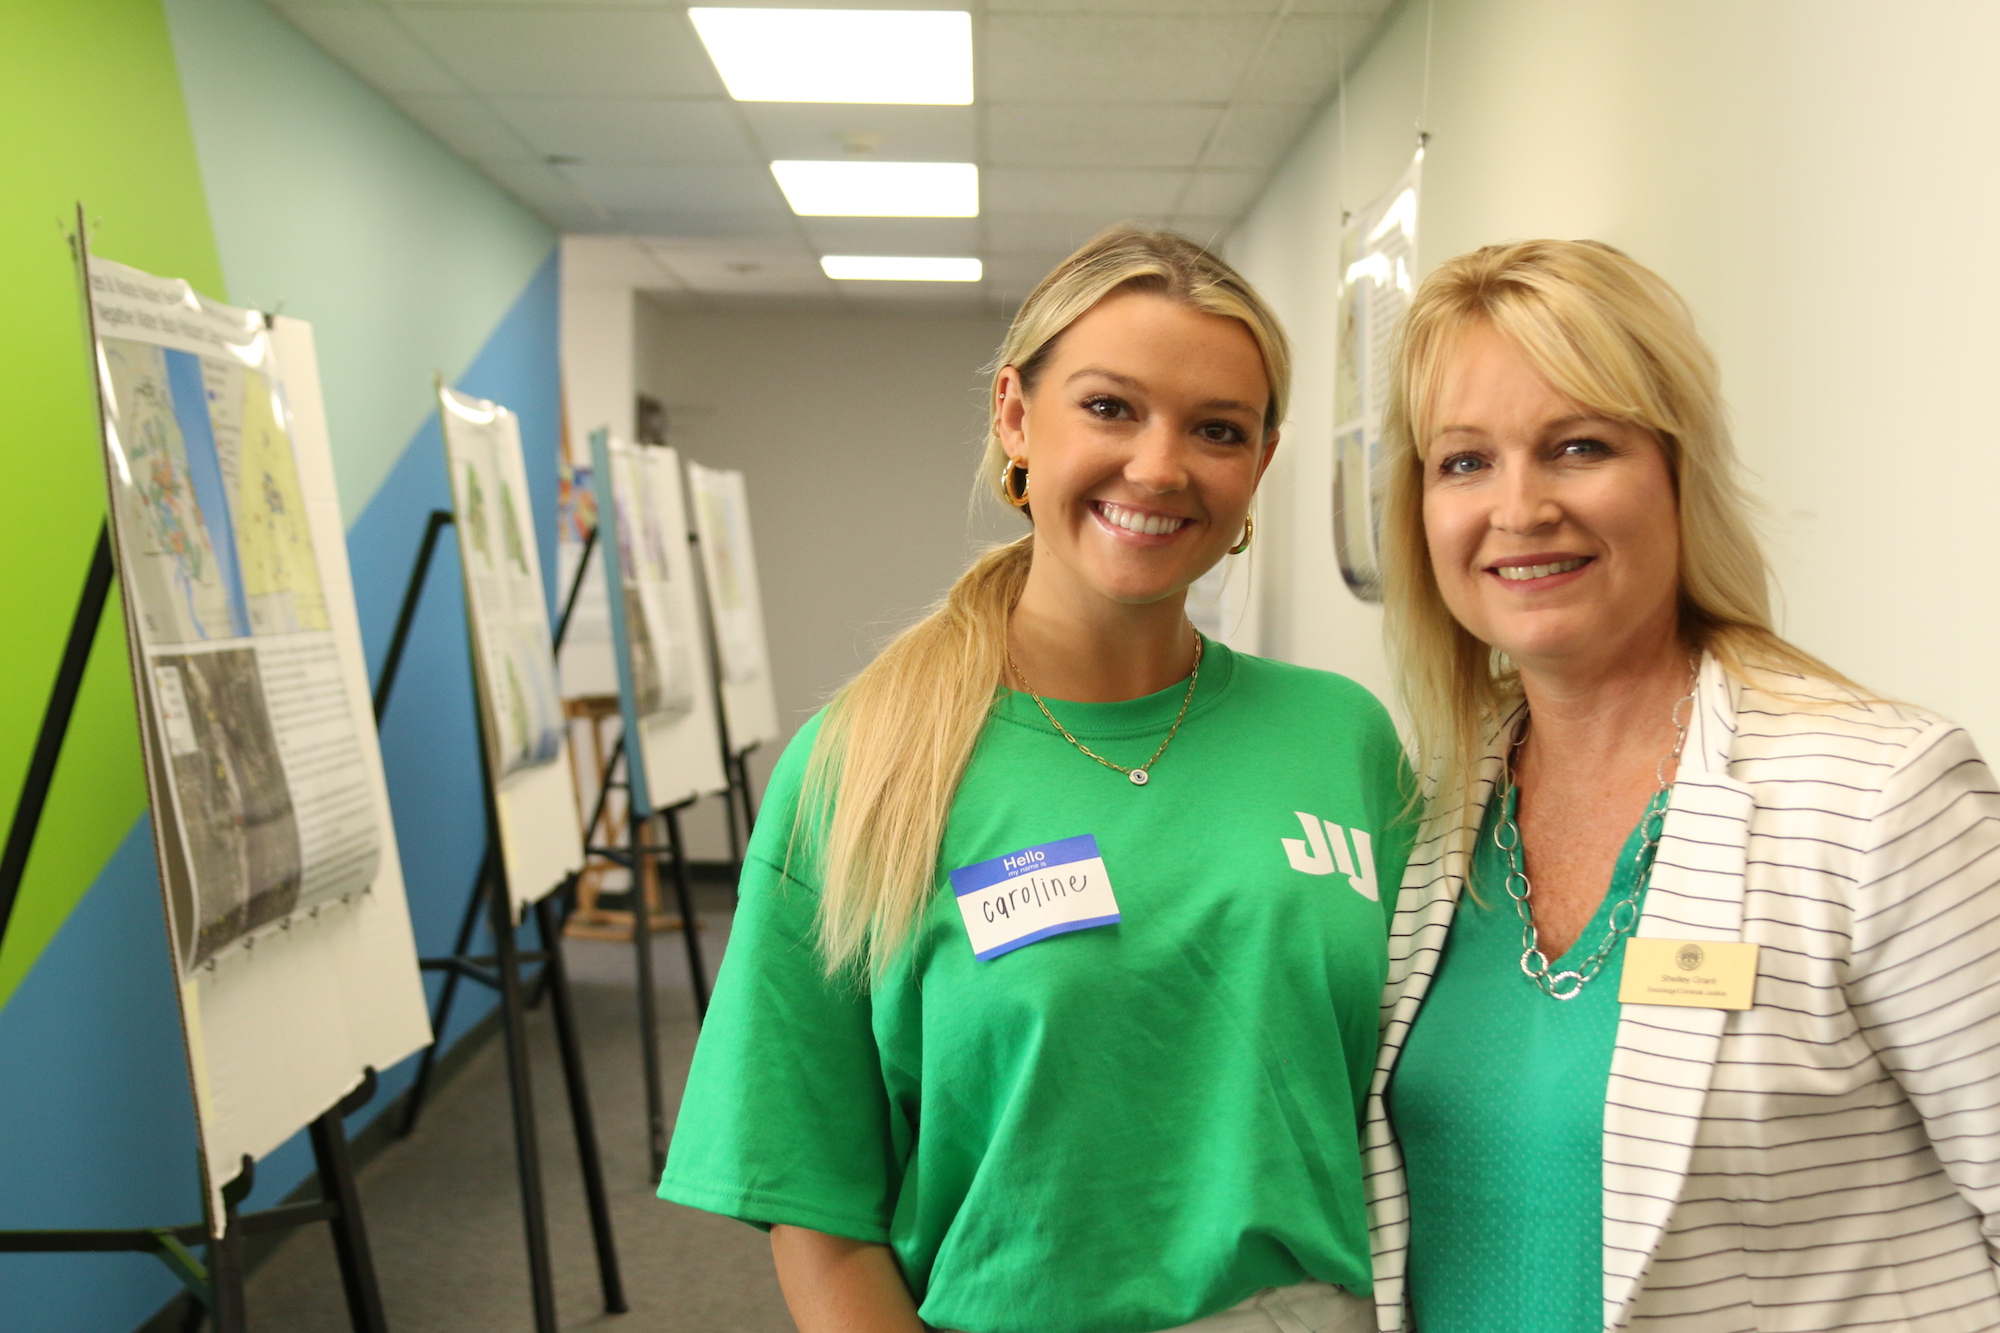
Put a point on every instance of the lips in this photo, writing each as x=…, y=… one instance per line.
x=1537, y=567
x=1138, y=520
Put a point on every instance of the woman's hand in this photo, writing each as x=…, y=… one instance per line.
x=836, y=1285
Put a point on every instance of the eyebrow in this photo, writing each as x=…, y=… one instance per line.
x=1212, y=405
x=1561, y=424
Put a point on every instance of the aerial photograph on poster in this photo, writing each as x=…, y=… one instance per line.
x=268, y=801
x=522, y=706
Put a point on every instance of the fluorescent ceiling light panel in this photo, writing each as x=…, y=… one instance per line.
x=891, y=268
x=880, y=189
x=841, y=55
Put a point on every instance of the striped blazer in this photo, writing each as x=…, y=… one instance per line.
x=1829, y=1158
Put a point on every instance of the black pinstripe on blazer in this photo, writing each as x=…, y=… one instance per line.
x=1830, y=1158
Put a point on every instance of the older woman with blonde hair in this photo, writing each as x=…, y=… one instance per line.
x=1694, y=1012
x=1051, y=1001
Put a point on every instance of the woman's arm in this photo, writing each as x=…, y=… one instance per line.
x=1921, y=975
x=836, y=1285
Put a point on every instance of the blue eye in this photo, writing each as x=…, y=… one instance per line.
x=1461, y=465
x=1585, y=448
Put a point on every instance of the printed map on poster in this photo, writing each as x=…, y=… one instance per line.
x=268, y=794
x=729, y=569
x=523, y=710
x=658, y=608
x=1378, y=260
x=667, y=690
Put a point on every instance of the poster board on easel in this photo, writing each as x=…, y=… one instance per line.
x=294, y=959
x=513, y=655
x=721, y=509
x=1378, y=266
x=666, y=690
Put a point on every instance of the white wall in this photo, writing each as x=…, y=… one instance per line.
x=1821, y=180
x=858, y=437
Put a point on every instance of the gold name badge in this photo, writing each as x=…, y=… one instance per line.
x=1701, y=974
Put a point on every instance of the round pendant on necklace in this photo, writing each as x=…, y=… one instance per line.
x=1138, y=777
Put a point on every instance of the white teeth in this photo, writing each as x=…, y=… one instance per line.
x=1153, y=525
x=1522, y=573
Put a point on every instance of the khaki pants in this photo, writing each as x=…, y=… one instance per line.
x=1310, y=1307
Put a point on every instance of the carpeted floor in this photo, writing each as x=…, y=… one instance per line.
x=444, y=1212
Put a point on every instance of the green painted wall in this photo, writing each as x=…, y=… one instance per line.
x=93, y=111
x=327, y=198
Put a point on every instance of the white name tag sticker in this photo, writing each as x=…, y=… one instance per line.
x=1698, y=974
x=1029, y=895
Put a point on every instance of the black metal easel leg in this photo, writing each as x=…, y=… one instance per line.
x=690, y=925
x=644, y=870
x=556, y=973
x=227, y=1309
x=520, y=1087
x=449, y=992
x=55, y=726
x=350, y=1233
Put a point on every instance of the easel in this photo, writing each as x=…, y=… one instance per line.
x=218, y=1282
x=643, y=863
x=502, y=971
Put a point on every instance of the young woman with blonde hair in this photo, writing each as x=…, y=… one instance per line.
x=1051, y=999
x=1694, y=1023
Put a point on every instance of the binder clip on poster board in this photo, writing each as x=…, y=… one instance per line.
x=293, y=955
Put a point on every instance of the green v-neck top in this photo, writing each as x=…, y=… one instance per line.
x=1498, y=1103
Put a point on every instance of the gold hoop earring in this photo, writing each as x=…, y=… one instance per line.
x=1008, y=470
x=1249, y=527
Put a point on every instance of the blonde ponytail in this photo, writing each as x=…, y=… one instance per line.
x=895, y=741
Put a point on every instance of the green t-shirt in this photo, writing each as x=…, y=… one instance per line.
x=1121, y=1128
x=1498, y=1103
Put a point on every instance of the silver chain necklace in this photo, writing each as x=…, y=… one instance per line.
x=1569, y=983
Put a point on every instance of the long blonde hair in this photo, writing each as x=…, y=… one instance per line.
x=1612, y=335
x=894, y=742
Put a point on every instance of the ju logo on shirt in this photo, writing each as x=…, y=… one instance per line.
x=1321, y=853
x=1034, y=893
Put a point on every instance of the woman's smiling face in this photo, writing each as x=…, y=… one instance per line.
x=1554, y=533
x=1144, y=438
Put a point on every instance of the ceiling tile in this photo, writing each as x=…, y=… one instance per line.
x=602, y=130
x=678, y=224
x=735, y=268
x=1120, y=58
x=369, y=41
x=609, y=261
x=1054, y=233
x=1081, y=190
x=893, y=236
x=1064, y=135
x=813, y=132
x=621, y=187
x=1220, y=193
x=469, y=128
x=545, y=190
x=1302, y=65
x=538, y=52
x=1256, y=137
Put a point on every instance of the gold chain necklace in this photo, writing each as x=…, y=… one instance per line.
x=1138, y=775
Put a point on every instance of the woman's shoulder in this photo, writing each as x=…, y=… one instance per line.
x=1265, y=678
x=1784, y=710
x=1859, y=753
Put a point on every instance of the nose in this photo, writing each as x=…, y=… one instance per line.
x=1158, y=463
x=1525, y=501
